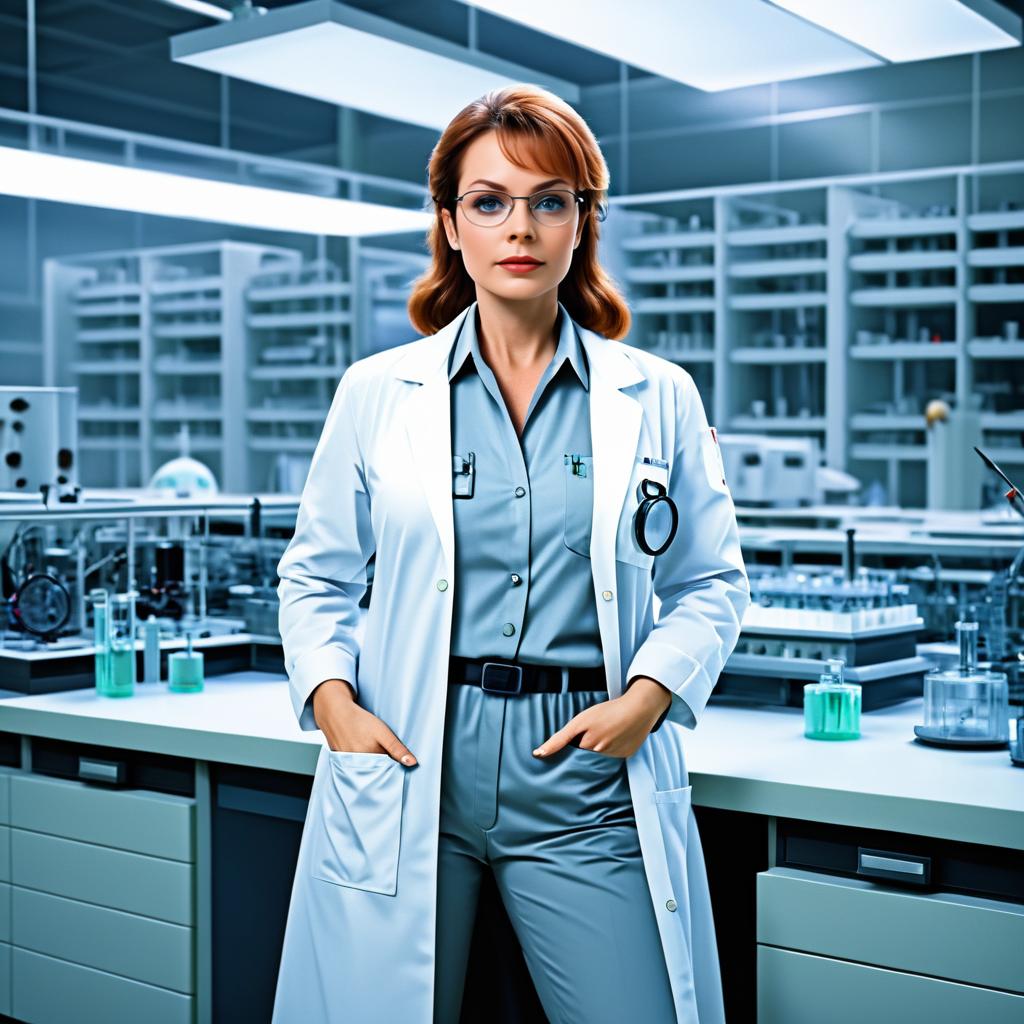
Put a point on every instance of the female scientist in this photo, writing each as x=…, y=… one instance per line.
x=556, y=570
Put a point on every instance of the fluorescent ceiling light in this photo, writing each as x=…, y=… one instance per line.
x=340, y=55
x=709, y=44
x=201, y=7
x=63, y=179
x=901, y=30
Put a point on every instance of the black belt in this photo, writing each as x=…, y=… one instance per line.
x=508, y=678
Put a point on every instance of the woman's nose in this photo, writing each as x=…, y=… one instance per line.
x=520, y=220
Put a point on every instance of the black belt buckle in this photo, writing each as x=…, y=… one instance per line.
x=508, y=679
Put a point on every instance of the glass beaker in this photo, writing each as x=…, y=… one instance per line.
x=101, y=638
x=966, y=705
x=122, y=644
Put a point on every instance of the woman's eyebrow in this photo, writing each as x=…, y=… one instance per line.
x=494, y=184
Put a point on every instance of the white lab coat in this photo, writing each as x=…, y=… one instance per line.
x=359, y=943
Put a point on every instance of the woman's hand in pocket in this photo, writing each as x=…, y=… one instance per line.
x=353, y=729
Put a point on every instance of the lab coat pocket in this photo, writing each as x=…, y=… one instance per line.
x=357, y=833
x=578, y=476
x=674, y=812
x=626, y=547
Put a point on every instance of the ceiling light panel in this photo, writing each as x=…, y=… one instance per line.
x=709, y=44
x=63, y=179
x=904, y=30
x=340, y=55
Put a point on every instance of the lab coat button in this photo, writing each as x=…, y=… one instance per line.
x=606, y=594
x=442, y=584
x=516, y=579
x=508, y=629
x=520, y=491
x=671, y=904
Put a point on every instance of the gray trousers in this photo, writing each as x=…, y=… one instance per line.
x=560, y=836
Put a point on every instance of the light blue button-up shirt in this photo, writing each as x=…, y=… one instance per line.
x=523, y=581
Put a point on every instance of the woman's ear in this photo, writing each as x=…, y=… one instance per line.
x=579, y=231
x=449, y=229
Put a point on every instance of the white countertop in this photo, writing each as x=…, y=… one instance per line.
x=744, y=759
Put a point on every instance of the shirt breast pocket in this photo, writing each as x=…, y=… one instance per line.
x=578, y=477
x=626, y=547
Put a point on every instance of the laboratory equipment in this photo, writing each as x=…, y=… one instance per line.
x=42, y=605
x=151, y=651
x=38, y=439
x=832, y=706
x=122, y=645
x=101, y=638
x=966, y=706
x=1017, y=743
x=185, y=669
x=799, y=619
x=777, y=471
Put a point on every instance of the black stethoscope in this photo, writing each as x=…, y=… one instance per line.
x=656, y=519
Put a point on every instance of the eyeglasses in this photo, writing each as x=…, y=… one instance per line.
x=488, y=209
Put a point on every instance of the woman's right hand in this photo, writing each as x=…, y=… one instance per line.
x=348, y=727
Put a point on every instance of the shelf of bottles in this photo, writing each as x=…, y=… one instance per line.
x=995, y=274
x=665, y=256
x=776, y=266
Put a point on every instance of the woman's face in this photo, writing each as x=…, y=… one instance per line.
x=483, y=247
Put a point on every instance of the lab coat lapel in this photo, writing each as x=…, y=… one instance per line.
x=428, y=426
x=615, y=420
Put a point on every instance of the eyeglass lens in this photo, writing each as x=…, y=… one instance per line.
x=487, y=208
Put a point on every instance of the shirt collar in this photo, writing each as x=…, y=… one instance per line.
x=569, y=346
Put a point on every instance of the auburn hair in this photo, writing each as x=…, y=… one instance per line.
x=535, y=130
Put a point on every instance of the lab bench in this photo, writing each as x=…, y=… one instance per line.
x=163, y=897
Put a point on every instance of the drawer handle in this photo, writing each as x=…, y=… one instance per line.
x=93, y=770
x=896, y=867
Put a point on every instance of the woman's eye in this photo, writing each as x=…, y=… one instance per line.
x=555, y=203
x=488, y=204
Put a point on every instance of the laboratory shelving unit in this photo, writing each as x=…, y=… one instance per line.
x=156, y=340
x=240, y=345
x=994, y=244
x=300, y=324
x=667, y=260
x=836, y=309
x=774, y=323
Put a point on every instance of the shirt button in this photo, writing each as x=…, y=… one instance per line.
x=606, y=594
x=442, y=584
x=520, y=491
x=508, y=629
x=671, y=904
x=516, y=579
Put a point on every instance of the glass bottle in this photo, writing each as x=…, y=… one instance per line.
x=832, y=706
x=101, y=638
x=122, y=644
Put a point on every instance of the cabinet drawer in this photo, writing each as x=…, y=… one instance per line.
x=5, y=797
x=797, y=988
x=48, y=991
x=96, y=874
x=110, y=940
x=963, y=938
x=5, y=979
x=138, y=820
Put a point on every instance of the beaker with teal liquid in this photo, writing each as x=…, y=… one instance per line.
x=122, y=644
x=832, y=706
x=101, y=638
